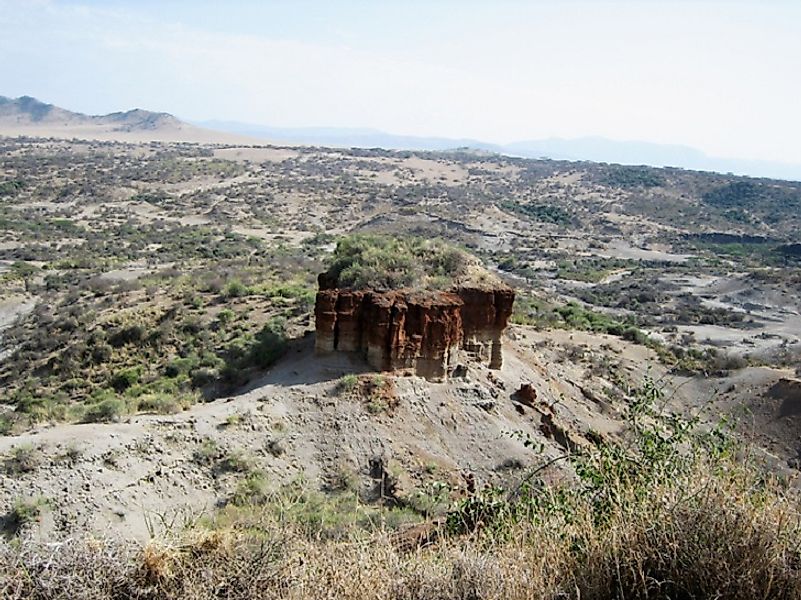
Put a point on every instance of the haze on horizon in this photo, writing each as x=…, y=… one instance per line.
x=718, y=76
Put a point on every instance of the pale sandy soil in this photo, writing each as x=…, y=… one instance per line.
x=133, y=271
x=295, y=237
x=634, y=224
x=774, y=315
x=621, y=249
x=12, y=307
x=415, y=168
x=131, y=474
x=565, y=178
x=185, y=133
x=256, y=154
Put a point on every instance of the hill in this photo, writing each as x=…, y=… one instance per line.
x=593, y=148
x=28, y=117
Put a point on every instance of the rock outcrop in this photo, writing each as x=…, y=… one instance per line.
x=788, y=391
x=420, y=331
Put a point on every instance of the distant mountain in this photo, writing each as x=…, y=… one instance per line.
x=26, y=116
x=347, y=138
x=595, y=149
x=30, y=111
x=598, y=149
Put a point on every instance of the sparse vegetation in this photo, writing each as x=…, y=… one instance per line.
x=22, y=459
x=235, y=461
x=631, y=177
x=348, y=383
x=107, y=410
x=207, y=452
x=541, y=213
x=669, y=514
x=391, y=262
x=23, y=512
x=146, y=278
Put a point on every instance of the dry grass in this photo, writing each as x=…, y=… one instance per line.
x=713, y=533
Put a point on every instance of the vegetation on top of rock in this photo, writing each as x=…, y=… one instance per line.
x=380, y=262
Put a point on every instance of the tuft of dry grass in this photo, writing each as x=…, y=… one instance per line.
x=665, y=514
x=714, y=532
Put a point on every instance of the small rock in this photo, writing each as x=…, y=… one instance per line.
x=526, y=395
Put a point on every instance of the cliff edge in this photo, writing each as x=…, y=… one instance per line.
x=423, y=331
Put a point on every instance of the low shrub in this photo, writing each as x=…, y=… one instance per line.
x=125, y=378
x=270, y=344
x=235, y=461
x=22, y=459
x=391, y=262
x=107, y=410
x=163, y=404
x=348, y=383
x=23, y=511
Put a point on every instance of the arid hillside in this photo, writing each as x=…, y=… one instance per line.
x=157, y=321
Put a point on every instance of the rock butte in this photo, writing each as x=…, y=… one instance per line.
x=419, y=331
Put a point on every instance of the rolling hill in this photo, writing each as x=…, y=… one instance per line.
x=28, y=117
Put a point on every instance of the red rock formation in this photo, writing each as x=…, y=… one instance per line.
x=485, y=314
x=414, y=330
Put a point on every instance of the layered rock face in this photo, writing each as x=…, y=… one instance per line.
x=485, y=315
x=413, y=330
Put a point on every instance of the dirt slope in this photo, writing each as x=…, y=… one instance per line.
x=298, y=422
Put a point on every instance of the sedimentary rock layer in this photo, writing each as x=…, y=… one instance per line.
x=485, y=315
x=419, y=331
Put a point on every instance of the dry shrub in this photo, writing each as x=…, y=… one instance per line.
x=720, y=537
x=654, y=524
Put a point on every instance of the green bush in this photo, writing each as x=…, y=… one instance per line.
x=181, y=366
x=386, y=262
x=42, y=407
x=11, y=187
x=625, y=176
x=225, y=316
x=125, y=378
x=206, y=453
x=348, y=382
x=162, y=404
x=23, y=511
x=251, y=490
x=541, y=213
x=235, y=461
x=235, y=289
x=107, y=410
x=270, y=344
x=127, y=334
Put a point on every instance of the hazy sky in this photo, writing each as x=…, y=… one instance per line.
x=724, y=77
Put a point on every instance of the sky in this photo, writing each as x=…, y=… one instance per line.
x=720, y=76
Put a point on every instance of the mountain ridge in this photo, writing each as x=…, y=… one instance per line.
x=588, y=148
x=28, y=116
